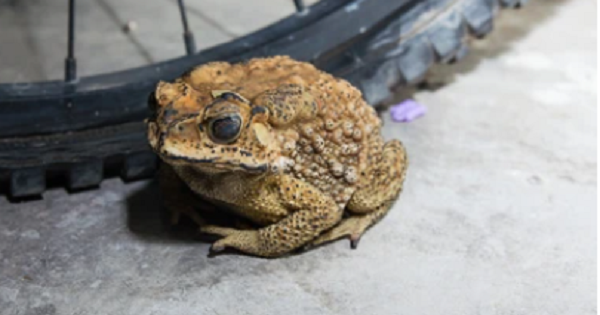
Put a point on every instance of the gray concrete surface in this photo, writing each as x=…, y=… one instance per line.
x=498, y=215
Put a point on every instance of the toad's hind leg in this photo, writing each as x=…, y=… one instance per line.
x=373, y=201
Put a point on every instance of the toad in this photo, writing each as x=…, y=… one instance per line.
x=292, y=149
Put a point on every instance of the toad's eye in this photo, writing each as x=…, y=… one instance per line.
x=225, y=129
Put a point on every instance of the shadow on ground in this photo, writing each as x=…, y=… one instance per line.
x=148, y=219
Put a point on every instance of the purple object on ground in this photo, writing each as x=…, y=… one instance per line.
x=407, y=111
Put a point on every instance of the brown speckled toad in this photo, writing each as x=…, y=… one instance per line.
x=280, y=143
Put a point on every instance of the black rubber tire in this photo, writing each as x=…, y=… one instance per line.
x=76, y=134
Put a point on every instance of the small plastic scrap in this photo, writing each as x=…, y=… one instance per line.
x=407, y=111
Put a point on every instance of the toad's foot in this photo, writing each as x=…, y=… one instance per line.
x=353, y=227
x=246, y=240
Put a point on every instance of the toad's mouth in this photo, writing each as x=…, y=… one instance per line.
x=217, y=164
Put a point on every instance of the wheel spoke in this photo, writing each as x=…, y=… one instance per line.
x=188, y=37
x=300, y=6
x=70, y=61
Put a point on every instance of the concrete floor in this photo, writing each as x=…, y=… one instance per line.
x=36, y=31
x=498, y=215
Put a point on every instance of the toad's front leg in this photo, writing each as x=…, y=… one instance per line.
x=313, y=213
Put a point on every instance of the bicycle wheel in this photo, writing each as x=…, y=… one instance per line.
x=77, y=132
